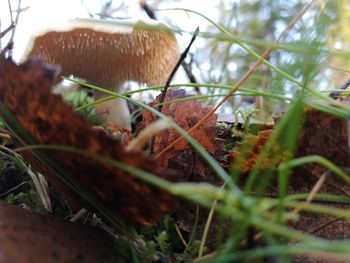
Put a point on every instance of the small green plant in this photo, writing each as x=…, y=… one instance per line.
x=80, y=97
x=240, y=129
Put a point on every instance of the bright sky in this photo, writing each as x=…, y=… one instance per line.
x=40, y=13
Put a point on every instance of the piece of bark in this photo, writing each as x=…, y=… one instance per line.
x=26, y=236
x=325, y=135
x=26, y=92
x=328, y=136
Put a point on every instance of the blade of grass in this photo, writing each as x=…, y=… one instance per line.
x=198, y=193
x=321, y=197
x=206, y=229
x=250, y=92
x=286, y=166
x=337, y=250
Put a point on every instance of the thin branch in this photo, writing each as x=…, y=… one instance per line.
x=149, y=11
x=182, y=58
x=10, y=27
x=87, y=9
x=10, y=10
x=6, y=49
x=9, y=46
x=339, y=68
x=186, y=66
x=178, y=231
x=344, y=86
x=188, y=69
x=13, y=189
x=167, y=84
x=322, y=227
x=315, y=189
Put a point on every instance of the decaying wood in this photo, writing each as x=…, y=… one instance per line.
x=26, y=236
x=26, y=91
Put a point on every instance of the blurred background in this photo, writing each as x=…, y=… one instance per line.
x=315, y=51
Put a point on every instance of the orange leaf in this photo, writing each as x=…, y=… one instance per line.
x=186, y=114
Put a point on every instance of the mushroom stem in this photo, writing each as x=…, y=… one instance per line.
x=115, y=111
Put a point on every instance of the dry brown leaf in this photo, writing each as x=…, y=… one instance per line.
x=182, y=157
x=26, y=92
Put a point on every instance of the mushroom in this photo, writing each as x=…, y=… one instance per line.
x=106, y=55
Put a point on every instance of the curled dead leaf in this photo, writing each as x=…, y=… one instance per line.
x=182, y=157
x=25, y=90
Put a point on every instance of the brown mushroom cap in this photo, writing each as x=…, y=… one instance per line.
x=106, y=55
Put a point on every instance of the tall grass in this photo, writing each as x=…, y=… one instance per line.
x=247, y=207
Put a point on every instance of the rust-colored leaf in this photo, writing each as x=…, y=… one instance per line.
x=246, y=156
x=26, y=92
x=182, y=157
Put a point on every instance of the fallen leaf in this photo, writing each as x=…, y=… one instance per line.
x=182, y=157
x=25, y=90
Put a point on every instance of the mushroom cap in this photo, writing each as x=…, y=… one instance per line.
x=106, y=54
